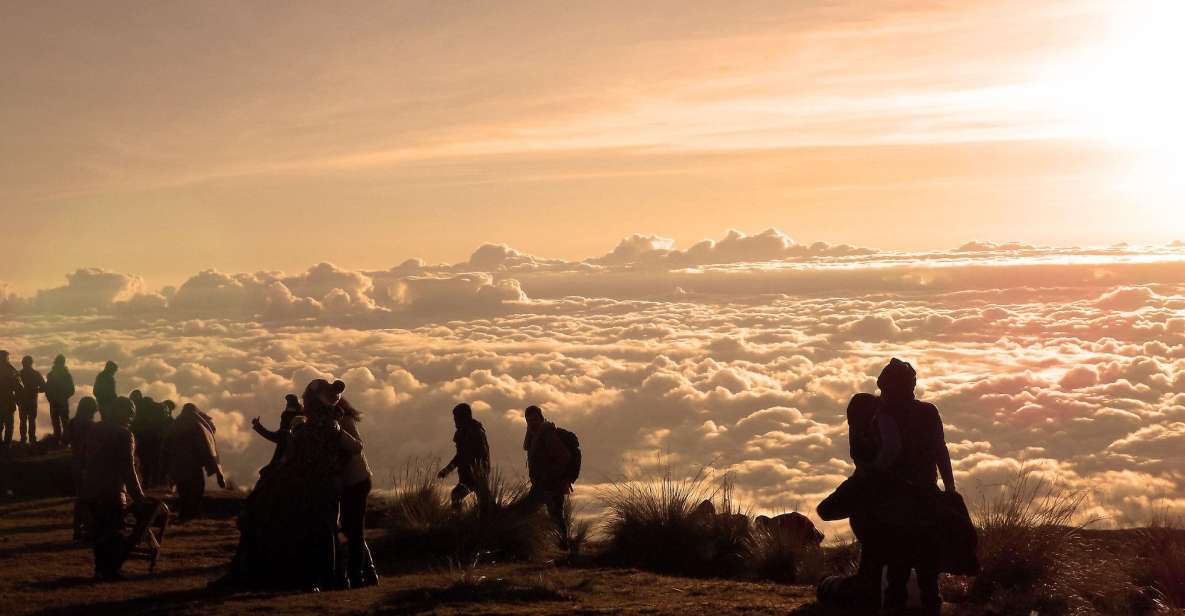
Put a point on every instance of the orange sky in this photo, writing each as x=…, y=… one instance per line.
x=159, y=139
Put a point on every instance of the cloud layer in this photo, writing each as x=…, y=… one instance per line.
x=740, y=352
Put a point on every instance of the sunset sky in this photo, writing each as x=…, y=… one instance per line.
x=691, y=231
x=160, y=139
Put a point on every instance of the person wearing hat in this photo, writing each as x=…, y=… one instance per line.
x=109, y=483
x=922, y=457
x=32, y=384
x=59, y=388
x=10, y=392
x=104, y=390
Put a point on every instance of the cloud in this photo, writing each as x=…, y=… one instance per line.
x=1071, y=361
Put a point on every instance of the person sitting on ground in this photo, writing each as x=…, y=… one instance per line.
x=355, y=485
x=191, y=455
x=280, y=436
x=59, y=388
x=550, y=462
x=10, y=392
x=104, y=389
x=472, y=460
x=32, y=385
x=76, y=431
x=109, y=479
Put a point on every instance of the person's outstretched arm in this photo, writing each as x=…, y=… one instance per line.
x=945, y=470
x=273, y=436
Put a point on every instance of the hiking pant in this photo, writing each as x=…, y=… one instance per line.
x=189, y=497
x=476, y=487
x=918, y=553
x=59, y=416
x=553, y=498
x=28, y=422
x=107, y=530
x=360, y=565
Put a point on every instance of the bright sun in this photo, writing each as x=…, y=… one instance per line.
x=1129, y=90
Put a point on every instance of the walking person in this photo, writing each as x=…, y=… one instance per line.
x=59, y=388
x=355, y=491
x=32, y=385
x=553, y=464
x=472, y=460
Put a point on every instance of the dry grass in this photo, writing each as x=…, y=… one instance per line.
x=421, y=526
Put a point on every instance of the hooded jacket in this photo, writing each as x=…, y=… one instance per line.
x=59, y=384
x=32, y=383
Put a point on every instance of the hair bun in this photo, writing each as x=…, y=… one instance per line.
x=339, y=386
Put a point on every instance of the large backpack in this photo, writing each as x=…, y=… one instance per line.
x=569, y=439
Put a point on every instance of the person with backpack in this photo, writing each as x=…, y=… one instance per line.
x=472, y=461
x=553, y=465
x=59, y=388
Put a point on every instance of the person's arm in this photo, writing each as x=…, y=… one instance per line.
x=945, y=468
x=265, y=433
x=69, y=386
x=131, y=478
x=349, y=444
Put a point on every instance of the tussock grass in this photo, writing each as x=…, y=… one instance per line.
x=420, y=524
x=658, y=525
x=1035, y=555
x=1160, y=562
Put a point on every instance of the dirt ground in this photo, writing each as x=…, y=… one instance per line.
x=43, y=572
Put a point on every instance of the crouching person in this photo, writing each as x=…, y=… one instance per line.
x=109, y=483
x=192, y=455
x=553, y=464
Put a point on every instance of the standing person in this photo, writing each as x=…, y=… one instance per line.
x=10, y=392
x=59, y=388
x=104, y=389
x=150, y=427
x=76, y=431
x=109, y=479
x=280, y=436
x=32, y=384
x=355, y=490
x=553, y=463
x=472, y=460
x=192, y=455
x=923, y=457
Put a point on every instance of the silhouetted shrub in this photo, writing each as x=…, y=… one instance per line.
x=420, y=524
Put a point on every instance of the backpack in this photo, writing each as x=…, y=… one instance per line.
x=569, y=439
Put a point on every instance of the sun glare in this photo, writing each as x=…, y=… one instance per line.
x=1127, y=90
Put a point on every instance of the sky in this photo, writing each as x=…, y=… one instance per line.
x=165, y=138
x=689, y=231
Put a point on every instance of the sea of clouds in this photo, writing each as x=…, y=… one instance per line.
x=740, y=353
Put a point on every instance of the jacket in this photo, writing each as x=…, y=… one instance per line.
x=547, y=457
x=59, y=385
x=109, y=467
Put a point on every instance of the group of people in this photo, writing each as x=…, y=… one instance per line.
x=903, y=523
x=318, y=482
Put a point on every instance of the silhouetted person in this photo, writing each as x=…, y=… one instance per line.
x=151, y=423
x=76, y=434
x=59, y=388
x=552, y=465
x=472, y=460
x=104, y=389
x=280, y=436
x=10, y=392
x=922, y=459
x=355, y=480
x=32, y=385
x=109, y=480
x=192, y=455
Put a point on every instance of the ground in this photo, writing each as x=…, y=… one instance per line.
x=43, y=572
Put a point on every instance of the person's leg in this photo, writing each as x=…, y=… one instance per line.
x=107, y=519
x=33, y=423
x=59, y=414
x=927, y=570
x=189, y=497
x=353, y=518
x=897, y=591
x=23, y=410
x=555, y=511
x=6, y=416
x=457, y=496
